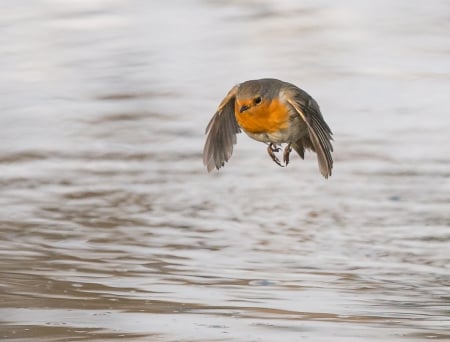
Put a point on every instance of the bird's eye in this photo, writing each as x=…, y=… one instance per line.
x=257, y=100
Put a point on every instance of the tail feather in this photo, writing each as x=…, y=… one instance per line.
x=300, y=145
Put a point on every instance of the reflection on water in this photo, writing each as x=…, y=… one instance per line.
x=111, y=228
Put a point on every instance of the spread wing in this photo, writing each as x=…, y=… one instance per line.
x=319, y=132
x=221, y=132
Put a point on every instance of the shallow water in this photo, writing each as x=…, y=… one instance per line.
x=112, y=229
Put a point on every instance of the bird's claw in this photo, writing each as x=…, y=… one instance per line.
x=271, y=149
x=286, y=153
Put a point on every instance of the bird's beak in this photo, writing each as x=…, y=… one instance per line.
x=243, y=108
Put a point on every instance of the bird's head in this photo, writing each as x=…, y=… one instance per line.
x=250, y=96
x=253, y=96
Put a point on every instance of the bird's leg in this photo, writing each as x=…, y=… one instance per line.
x=271, y=149
x=286, y=153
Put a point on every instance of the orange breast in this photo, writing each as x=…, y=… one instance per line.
x=267, y=117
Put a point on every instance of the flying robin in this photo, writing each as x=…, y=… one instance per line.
x=273, y=112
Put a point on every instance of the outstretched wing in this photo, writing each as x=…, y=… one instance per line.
x=221, y=132
x=319, y=132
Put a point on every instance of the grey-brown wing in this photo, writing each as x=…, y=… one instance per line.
x=319, y=132
x=221, y=130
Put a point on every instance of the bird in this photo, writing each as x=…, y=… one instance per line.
x=273, y=112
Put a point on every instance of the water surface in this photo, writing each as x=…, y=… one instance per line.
x=112, y=229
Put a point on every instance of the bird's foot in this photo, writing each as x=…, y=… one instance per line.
x=271, y=149
x=286, y=153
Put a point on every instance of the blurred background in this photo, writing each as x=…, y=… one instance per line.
x=110, y=227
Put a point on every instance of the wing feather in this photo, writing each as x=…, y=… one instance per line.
x=221, y=133
x=319, y=132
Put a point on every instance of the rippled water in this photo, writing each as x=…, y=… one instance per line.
x=112, y=229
